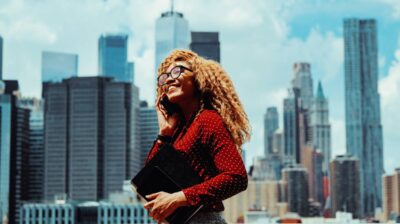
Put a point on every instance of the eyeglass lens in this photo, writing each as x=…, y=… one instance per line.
x=175, y=72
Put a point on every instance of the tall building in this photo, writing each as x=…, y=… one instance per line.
x=14, y=149
x=172, y=31
x=302, y=80
x=267, y=168
x=321, y=129
x=36, y=147
x=277, y=142
x=57, y=66
x=206, y=44
x=113, y=54
x=391, y=195
x=363, y=120
x=303, y=130
x=291, y=109
x=1, y=58
x=149, y=129
x=116, y=134
x=55, y=139
x=131, y=71
x=296, y=189
x=312, y=161
x=135, y=160
x=87, y=137
x=271, y=124
x=259, y=196
x=259, y=169
x=345, y=185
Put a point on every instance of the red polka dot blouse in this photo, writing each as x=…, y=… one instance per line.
x=214, y=156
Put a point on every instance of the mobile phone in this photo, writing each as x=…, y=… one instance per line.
x=171, y=108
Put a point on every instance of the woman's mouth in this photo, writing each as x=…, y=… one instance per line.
x=171, y=88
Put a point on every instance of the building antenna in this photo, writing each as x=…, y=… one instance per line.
x=172, y=6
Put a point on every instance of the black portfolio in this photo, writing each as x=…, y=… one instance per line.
x=170, y=172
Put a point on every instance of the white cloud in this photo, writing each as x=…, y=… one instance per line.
x=395, y=5
x=338, y=137
x=29, y=30
x=381, y=61
x=389, y=89
x=145, y=80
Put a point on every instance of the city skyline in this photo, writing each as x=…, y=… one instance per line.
x=279, y=39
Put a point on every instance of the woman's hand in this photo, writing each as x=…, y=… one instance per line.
x=167, y=123
x=163, y=204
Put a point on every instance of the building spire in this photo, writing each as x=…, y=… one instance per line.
x=320, y=92
x=172, y=6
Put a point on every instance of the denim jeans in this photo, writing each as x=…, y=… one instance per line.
x=208, y=217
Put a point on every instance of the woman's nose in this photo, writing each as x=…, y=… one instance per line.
x=169, y=80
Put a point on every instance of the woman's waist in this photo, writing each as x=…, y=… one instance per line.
x=214, y=207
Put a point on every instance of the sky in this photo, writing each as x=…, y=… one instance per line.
x=260, y=42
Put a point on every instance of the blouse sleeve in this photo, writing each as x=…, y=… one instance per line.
x=152, y=151
x=232, y=176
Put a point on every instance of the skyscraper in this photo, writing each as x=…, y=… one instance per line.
x=302, y=80
x=148, y=124
x=116, y=134
x=295, y=178
x=312, y=161
x=1, y=58
x=135, y=160
x=291, y=138
x=363, y=120
x=345, y=185
x=113, y=54
x=271, y=124
x=14, y=149
x=260, y=169
x=391, y=195
x=172, y=31
x=55, y=139
x=131, y=71
x=277, y=142
x=87, y=137
x=320, y=127
x=206, y=44
x=57, y=66
x=36, y=147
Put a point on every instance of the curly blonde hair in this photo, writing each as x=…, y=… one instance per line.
x=216, y=91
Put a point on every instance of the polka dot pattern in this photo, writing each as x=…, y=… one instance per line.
x=213, y=154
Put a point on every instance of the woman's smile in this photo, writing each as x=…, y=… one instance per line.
x=171, y=88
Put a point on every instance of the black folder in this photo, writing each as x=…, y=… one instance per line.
x=170, y=172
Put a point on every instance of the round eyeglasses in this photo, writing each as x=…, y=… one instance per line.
x=174, y=73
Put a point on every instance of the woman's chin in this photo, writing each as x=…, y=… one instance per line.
x=173, y=98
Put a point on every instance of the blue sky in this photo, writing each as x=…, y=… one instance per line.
x=260, y=41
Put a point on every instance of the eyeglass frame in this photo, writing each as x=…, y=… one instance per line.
x=169, y=74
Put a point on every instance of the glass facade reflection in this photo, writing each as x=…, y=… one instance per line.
x=5, y=116
x=172, y=31
x=363, y=118
x=57, y=66
x=113, y=54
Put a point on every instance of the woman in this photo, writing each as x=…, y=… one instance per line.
x=210, y=118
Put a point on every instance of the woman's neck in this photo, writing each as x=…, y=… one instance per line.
x=189, y=108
